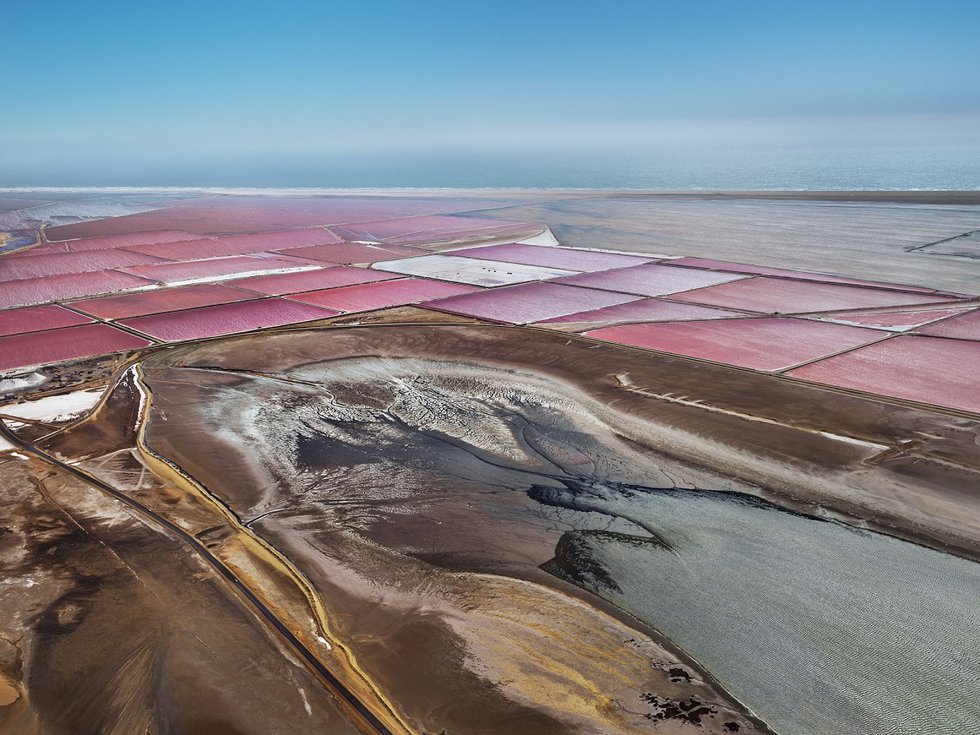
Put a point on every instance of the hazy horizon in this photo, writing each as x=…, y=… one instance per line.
x=434, y=94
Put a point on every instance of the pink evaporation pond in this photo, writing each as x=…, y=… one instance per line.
x=384, y=294
x=57, y=288
x=760, y=344
x=19, y=267
x=894, y=320
x=213, y=321
x=933, y=370
x=434, y=228
x=644, y=310
x=966, y=326
x=565, y=258
x=761, y=270
x=779, y=296
x=347, y=253
x=240, y=244
x=160, y=300
x=529, y=302
x=38, y=318
x=650, y=280
x=333, y=277
x=109, y=242
x=70, y=343
x=216, y=267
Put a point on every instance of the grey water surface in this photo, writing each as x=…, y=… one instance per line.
x=818, y=627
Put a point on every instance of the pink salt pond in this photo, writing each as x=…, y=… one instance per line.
x=892, y=320
x=761, y=344
x=346, y=253
x=214, y=269
x=55, y=288
x=530, y=302
x=239, y=244
x=213, y=321
x=160, y=300
x=368, y=296
x=38, y=318
x=333, y=277
x=19, y=267
x=434, y=228
x=109, y=242
x=966, y=326
x=650, y=280
x=565, y=258
x=761, y=270
x=930, y=370
x=644, y=310
x=781, y=296
x=70, y=343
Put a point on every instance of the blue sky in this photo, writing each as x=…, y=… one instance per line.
x=151, y=81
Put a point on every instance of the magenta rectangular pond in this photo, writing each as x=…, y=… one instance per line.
x=199, y=270
x=160, y=300
x=644, y=310
x=346, y=253
x=761, y=344
x=213, y=321
x=383, y=294
x=781, y=296
x=931, y=370
x=70, y=343
x=330, y=277
x=19, y=267
x=435, y=228
x=565, y=258
x=38, y=318
x=529, y=302
x=651, y=279
x=56, y=288
x=966, y=326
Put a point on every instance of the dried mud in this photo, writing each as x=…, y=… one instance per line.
x=435, y=511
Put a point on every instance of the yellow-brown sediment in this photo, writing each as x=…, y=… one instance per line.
x=259, y=554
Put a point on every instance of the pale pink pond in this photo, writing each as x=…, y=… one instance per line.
x=239, y=244
x=565, y=258
x=332, y=277
x=966, y=326
x=529, y=302
x=368, y=296
x=650, y=280
x=434, y=228
x=644, y=310
x=927, y=369
x=781, y=296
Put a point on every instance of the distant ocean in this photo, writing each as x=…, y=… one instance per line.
x=752, y=161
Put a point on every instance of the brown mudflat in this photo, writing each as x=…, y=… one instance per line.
x=403, y=474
